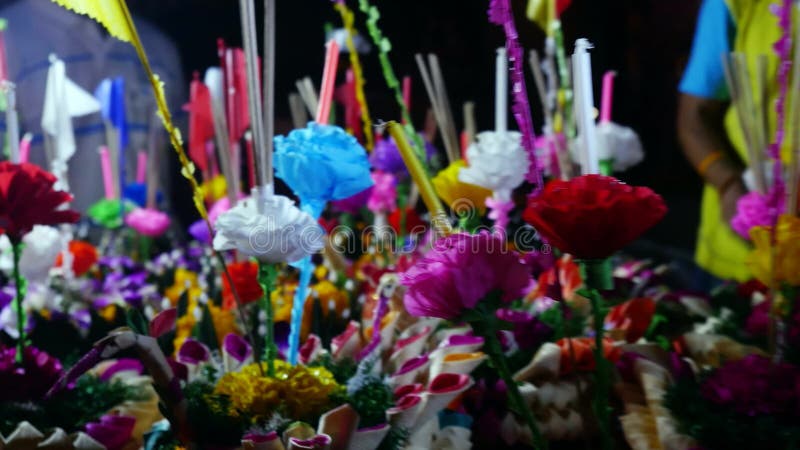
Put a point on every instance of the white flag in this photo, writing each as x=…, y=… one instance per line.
x=63, y=100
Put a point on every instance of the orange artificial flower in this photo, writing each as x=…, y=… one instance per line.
x=564, y=278
x=582, y=353
x=245, y=278
x=631, y=319
x=84, y=257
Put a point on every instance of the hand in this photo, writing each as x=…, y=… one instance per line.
x=729, y=197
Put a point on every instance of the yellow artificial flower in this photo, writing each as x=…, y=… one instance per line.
x=456, y=194
x=282, y=300
x=786, y=250
x=331, y=299
x=303, y=392
x=184, y=279
x=214, y=189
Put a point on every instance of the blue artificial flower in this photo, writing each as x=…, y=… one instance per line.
x=322, y=163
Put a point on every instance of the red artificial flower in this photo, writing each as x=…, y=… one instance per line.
x=27, y=198
x=84, y=257
x=593, y=216
x=245, y=278
x=413, y=222
x=581, y=352
x=632, y=318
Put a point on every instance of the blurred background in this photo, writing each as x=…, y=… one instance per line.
x=646, y=41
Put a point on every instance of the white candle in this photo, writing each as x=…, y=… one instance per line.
x=501, y=92
x=584, y=106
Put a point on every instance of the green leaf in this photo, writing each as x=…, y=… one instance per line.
x=136, y=321
x=204, y=330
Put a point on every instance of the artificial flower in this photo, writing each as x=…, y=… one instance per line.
x=756, y=209
x=577, y=354
x=593, y=216
x=631, y=319
x=528, y=331
x=386, y=157
x=84, y=256
x=354, y=203
x=413, y=223
x=27, y=198
x=321, y=163
x=620, y=144
x=108, y=212
x=459, y=272
x=112, y=431
x=245, y=279
x=332, y=300
x=199, y=231
x=303, y=391
x=497, y=161
x=184, y=281
x=559, y=282
x=457, y=194
x=755, y=386
x=148, y=222
x=215, y=188
x=786, y=250
x=30, y=381
x=278, y=233
x=42, y=246
x=384, y=193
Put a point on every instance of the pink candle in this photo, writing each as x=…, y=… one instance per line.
x=607, y=96
x=25, y=147
x=328, y=82
x=464, y=145
x=108, y=179
x=407, y=92
x=212, y=158
x=141, y=167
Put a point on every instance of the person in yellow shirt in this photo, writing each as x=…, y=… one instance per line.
x=709, y=129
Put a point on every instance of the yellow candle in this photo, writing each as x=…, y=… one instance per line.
x=439, y=220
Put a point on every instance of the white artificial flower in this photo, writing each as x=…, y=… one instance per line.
x=6, y=255
x=619, y=143
x=42, y=246
x=497, y=161
x=280, y=232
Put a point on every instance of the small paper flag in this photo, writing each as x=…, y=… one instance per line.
x=201, y=122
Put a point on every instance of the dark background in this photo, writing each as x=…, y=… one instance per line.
x=646, y=41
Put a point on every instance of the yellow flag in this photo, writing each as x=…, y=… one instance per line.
x=116, y=18
x=111, y=14
x=541, y=12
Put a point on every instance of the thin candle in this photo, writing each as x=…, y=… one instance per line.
x=328, y=82
x=607, y=96
x=501, y=91
x=12, y=119
x=584, y=96
x=141, y=166
x=25, y=147
x=108, y=178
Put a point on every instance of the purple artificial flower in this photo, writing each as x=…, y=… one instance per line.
x=755, y=386
x=30, y=381
x=757, y=324
x=459, y=271
x=354, y=203
x=386, y=157
x=199, y=231
x=528, y=332
x=237, y=347
x=113, y=431
x=193, y=352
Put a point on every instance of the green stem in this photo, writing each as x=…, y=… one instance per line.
x=266, y=278
x=19, y=283
x=495, y=351
x=597, y=275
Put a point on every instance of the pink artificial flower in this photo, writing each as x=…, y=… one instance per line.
x=148, y=222
x=384, y=193
x=755, y=209
x=459, y=272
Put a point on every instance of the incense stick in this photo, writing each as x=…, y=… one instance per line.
x=269, y=91
x=436, y=106
x=541, y=87
x=152, y=166
x=441, y=89
x=248, y=19
x=732, y=79
x=298, y=110
x=470, y=125
x=223, y=150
